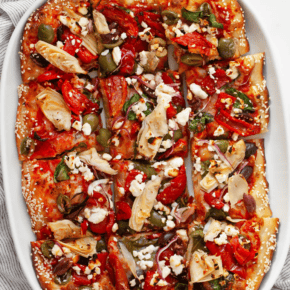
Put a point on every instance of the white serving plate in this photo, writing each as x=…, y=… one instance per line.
x=276, y=142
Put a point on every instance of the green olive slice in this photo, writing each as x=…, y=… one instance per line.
x=63, y=203
x=107, y=63
x=170, y=17
x=192, y=59
x=177, y=135
x=92, y=120
x=226, y=47
x=45, y=33
x=223, y=145
x=27, y=146
x=205, y=8
x=63, y=279
x=101, y=245
x=46, y=248
x=156, y=219
x=112, y=45
x=103, y=137
x=158, y=45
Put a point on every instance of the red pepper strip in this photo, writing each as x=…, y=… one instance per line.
x=49, y=75
x=75, y=100
x=81, y=280
x=171, y=112
x=153, y=20
x=214, y=201
x=127, y=60
x=120, y=274
x=85, y=56
x=102, y=257
x=124, y=211
x=195, y=41
x=242, y=255
x=72, y=44
x=124, y=20
x=167, y=79
x=223, y=96
x=174, y=191
x=110, y=223
x=84, y=227
x=99, y=228
x=147, y=285
x=178, y=149
x=97, y=199
x=131, y=176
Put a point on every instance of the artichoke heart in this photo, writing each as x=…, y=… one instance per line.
x=154, y=126
x=66, y=229
x=85, y=247
x=55, y=109
x=59, y=58
x=236, y=153
x=238, y=186
x=208, y=183
x=101, y=23
x=143, y=204
x=92, y=158
x=205, y=268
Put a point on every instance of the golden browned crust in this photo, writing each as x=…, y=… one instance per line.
x=43, y=268
x=47, y=14
x=268, y=233
x=25, y=122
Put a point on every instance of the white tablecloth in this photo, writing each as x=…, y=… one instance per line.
x=11, y=275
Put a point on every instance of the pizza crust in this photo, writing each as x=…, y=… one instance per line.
x=268, y=233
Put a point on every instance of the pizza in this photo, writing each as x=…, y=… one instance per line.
x=121, y=104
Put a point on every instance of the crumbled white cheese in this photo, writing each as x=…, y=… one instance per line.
x=183, y=116
x=176, y=264
x=56, y=251
x=77, y=125
x=169, y=225
x=107, y=156
x=87, y=129
x=198, y=92
x=221, y=240
x=117, y=55
x=96, y=214
x=137, y=188
x=115, y=227
x=219, y=131
x=164, y=94
x=105, y=52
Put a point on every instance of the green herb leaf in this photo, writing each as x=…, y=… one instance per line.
x=214, y=23
x=149, y=109
x=134, y=99
x=248, y=105
x=217, y=214
x=198, y=124
x=61, y=172
x=131, y=116
x=215, y=285
x=191, y=16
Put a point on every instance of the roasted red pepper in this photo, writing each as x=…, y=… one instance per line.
x=171, y=112
x=72, y=43
x=214, y=201
x=175, y=190
x=81, y=280
x=101, y=227
x=84, y=227
x=148, y=278
x=128, y=59
x=123, y=210
x=195, y=41
x=102, y=257
x=49, y=75
x=85, y=55
x=242, y=255
x=126, y=22
x=131, y=176
x=110, y=222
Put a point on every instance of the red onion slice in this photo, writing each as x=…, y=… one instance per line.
x=160, y=251
x=143, y=82
x=117, y=120
x=222, y=156
x=202, y=108
x=242, y=166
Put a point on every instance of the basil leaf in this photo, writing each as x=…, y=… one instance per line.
x=205, y=167
x=191, y=16
x=149, y=109
x=197, y=125
x=217, y=214
x=215, y=285
x=248, y=105
x=134, y=99
x=61, y=172
x=214, y=23
x=131, y=116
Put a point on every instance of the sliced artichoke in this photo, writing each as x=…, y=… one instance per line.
x=236, y=153
x=101, y=23
x=66, y=229
x=59, y=58
x=129, y=259
x=55, y=109
x=154, y=126
x=143, y=204
x=208, y=183
x=85, y=247
x=92, y=158
x=205, y=268
x=238, y=185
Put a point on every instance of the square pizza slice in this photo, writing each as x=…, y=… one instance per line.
x=49, y=123
x=231, y=256
x=72, y=264
x=202, y=31
x=229, y=179
x=58, y=39
x=229, y=98
x=150, y=260
x=151, y=196
x=69, y=197
x=146, y=115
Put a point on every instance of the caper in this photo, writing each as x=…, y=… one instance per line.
x=223, y=145
x=63, y=279
x=170, y=17
x=101, y=245
x=205, y=8
x=247, y=172
x=251, y=149
x=156, y=219
x=192, y=59
x=45, y=33
x=103, y=137
x=226, y=47
x=63, y=203
x=46, y=248
x=92, y=120
x=27, y=146
x=177, y=135
x=112, y=45
x=85, y=288
x=107, y=63
x=158, y=45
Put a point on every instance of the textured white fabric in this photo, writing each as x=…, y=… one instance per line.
x=11, y=275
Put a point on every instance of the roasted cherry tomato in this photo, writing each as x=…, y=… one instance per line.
x=123, y=210
x=131, y=176
x=171, y=112
x=85, y=55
